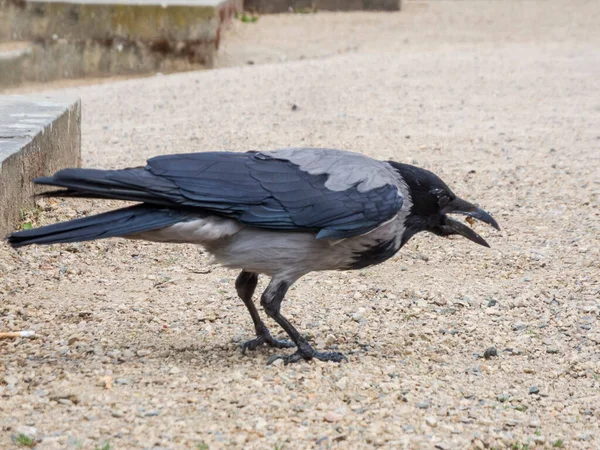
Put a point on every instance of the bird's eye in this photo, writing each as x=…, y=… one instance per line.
x=443, y=201
x=442, y=197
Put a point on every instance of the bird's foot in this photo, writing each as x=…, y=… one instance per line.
x=266, y=338
x=306, y=352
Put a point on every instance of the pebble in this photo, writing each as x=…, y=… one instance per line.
x=431, y=421
x=330, y=340
x=534, y=390
x=424, y=405
x=490, y=352
x=552, y=350
x=10, y=380
x=342, y=383
x=123, y=381
x=503, y=397
x=175, y=370
x=117, y=414
x=143, y=352
x=332, y=416
x=30, y=432
x=518, y=326
x=113, y=353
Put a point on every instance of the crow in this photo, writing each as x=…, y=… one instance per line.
x=282, y=213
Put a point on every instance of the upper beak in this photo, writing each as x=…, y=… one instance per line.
x=459, y=206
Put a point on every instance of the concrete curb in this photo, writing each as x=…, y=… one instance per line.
x=38, y=136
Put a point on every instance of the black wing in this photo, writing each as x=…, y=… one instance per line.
x=254, y=188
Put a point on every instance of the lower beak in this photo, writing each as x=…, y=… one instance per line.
x=455, y=227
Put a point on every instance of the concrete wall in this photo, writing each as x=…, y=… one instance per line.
x=103, y=38
x=38, y=136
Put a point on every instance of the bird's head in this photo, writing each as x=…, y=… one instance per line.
x=432, y=201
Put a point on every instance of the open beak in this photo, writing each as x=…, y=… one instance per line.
x=459, y=206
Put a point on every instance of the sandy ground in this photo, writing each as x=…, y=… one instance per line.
x=139, y=343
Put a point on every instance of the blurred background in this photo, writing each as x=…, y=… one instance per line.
x=45, y=41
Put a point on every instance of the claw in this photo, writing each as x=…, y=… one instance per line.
x=307, y=356
x=265, y=338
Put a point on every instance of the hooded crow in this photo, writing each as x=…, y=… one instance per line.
x=281, y=213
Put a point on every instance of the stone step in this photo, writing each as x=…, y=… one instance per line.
x=148, y=21
x=38, y=136
x=101, y=38
x=43, y=62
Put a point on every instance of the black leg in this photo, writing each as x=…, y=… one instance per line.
x=271, y=302
x=245, y=285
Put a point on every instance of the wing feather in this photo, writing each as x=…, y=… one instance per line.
x=262, y=190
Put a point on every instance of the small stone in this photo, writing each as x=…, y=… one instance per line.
x=152, y=413
x=123, y=381
x=492, y=303
x=424, y=405
x=586, y=436
x=552, y=350
x=342, y=383
x=29, y=432
x=519, y=326
x=503, y=397
x=358, y=317
x=10, y=380
x=330, y=340
x=332, y=416
x=240, y=439
x=277, y=363
x=117, y=414
x=534, y=390
x=114, y=353
x=357, y=295
x=490, y=352
x=127, y=354
x=431, y=421
x=175, y=370
x=143, y=352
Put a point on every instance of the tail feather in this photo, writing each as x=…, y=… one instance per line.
x=118, y=223
x=135, y=184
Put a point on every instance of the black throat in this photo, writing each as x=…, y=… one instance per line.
x=377, y=253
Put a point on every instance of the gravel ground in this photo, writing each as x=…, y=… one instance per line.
x=139, y=343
